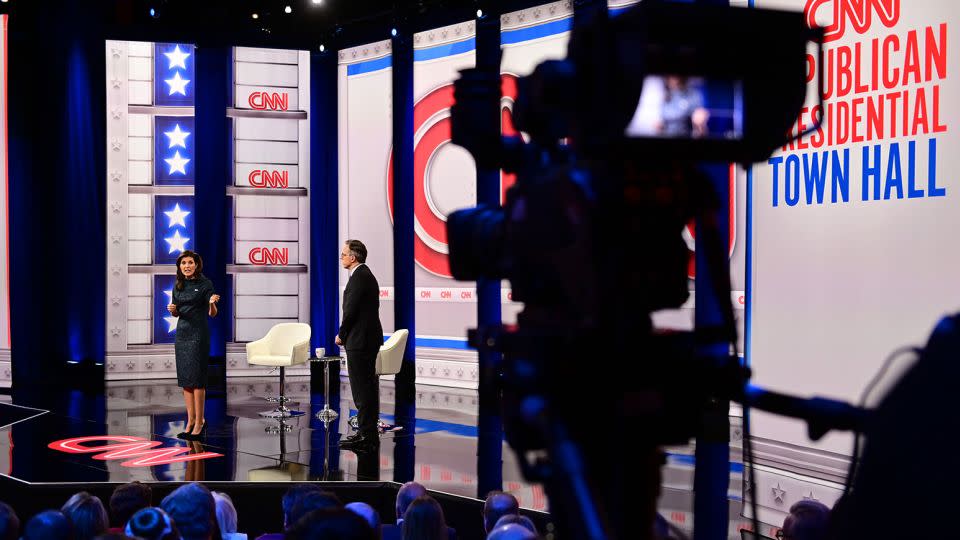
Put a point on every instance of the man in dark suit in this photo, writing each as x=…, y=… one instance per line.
x=361, y=335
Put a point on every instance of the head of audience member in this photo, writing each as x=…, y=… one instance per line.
x=807, y=520
x=292, y=497
x=497, y=505
x=408, y=493
x=9, y=523
x=424, y=520
x=48, y=525
x=126, y=500
x=367, y=512
x=523, y=521
x=330, y=524
x=226, y=513
x=511, y=531
x=152, y=524
x=318, y=500
x=192, y=508
x=88, y=515
x=114, y=536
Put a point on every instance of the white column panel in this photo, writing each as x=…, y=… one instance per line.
x=139, y=308
x=141, y=48
x=266, y=129
x=242, y=93
x=262, y=173
x=248, y=252
x=267, y=307
x=140, y=205
x=266, y=74
x=139, y=285
x=141, y=172
x=141, y=148
x=138, y=332
x=266, y=152
x=140, y=252
x=266, y=206
x=140, y=125
x=267, y=229
x=140, y=228
x=141, y=69
x=141, y=92
x=262, y=284
x=254, y=329
x=272, y=56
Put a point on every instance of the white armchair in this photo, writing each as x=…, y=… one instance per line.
x=390, y=357
x=285, y=345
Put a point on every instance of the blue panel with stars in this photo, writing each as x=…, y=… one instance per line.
x=173, y=145
x=172, y=227
x=164, y=324
x=173, y=73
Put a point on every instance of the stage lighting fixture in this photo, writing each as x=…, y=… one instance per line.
x=479, y=13
x=288, y=9
x=322, y=48
x=153, y=12
x=255, y=16
x=317, y=2
x=393, y=32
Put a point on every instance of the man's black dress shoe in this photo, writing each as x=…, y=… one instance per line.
x=361, y=442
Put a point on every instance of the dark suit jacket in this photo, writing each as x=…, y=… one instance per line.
x=360, y=328
x=395, y=532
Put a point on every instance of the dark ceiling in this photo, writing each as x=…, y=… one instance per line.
x=335, y=23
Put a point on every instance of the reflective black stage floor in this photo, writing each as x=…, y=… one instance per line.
x=57, y=444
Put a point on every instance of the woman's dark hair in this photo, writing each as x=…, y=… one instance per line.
x=424, y=520
x=127, y=499
x=313, y=501
x=330, y=524
x=152, y=524
x=87, y=514
x=197, y=273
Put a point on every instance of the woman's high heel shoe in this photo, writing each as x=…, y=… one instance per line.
x=183, y=434
x=198, y=436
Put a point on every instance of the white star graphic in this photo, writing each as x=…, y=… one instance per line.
x=169, y=293
x=172, y=322
x=177, y=216
x=177, y=242
x=778, y=493
x=177, y=163
x=177, y=137
x=177, y=58
x=177, y=85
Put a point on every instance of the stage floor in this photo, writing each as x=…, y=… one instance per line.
x=47, y=445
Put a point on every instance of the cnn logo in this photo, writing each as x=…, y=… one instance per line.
x=269, y=179
x=261, y=256
x=858, y=13
x=273, y=101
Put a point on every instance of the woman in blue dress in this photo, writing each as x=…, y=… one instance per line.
x=192, y=302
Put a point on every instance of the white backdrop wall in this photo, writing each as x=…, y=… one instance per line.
x=365, y=135
x=848, y=257
x=270, y=195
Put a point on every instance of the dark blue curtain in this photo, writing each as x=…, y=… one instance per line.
x=57, y=125
x=403, y=258
x=214, y=159
x=324, y=221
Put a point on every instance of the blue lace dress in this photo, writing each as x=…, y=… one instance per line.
x=192, y=345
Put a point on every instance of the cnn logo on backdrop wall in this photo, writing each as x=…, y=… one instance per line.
x=859, y=14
